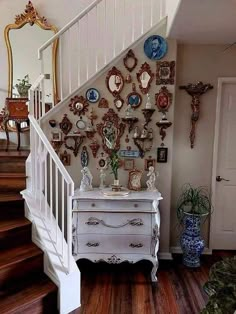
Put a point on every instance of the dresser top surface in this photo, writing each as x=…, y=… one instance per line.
x=96, y=194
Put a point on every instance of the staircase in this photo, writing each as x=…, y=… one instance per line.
x=24, y=288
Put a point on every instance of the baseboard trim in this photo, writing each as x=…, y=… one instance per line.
x=178, y=250
x=165, y=255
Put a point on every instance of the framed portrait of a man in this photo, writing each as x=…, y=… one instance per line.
x=155, y=47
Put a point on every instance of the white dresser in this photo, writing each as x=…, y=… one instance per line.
x=116, y=229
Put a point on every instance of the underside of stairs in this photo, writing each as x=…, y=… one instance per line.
x=24, y=288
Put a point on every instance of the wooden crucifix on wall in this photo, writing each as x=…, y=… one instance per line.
x=195, y=90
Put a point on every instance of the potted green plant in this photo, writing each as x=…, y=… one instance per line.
x=23, y=86
x=194, y=203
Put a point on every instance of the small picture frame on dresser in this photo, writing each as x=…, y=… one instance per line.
x=134, y=181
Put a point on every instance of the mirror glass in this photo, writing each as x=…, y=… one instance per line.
x=110, y=134
x=145, y=78
x=115, y=83
x=24, y=44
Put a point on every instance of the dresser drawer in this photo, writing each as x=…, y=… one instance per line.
x=112, y=223
x=112, y=205
x=126, y=244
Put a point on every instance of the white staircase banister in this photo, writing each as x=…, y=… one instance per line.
x=67, y=26
x=52, y=153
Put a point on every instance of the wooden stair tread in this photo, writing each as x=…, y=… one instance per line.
x=14, y=153
x=12, y=256
x=13, y=223
x=7, y=197
x=12, y=175
x=33, y=292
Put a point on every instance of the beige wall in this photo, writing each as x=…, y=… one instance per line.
x=196, y=63
x=165, y=170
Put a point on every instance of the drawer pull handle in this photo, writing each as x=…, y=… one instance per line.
x=92, y=244
x=93, y=205
x=135, y=205
x=136, y=245
x=93, y=221
x=19, y=109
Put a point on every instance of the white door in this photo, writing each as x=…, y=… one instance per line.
x=223, y=222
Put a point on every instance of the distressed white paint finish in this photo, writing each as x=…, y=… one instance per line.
x=116, y=229
x=223, y=224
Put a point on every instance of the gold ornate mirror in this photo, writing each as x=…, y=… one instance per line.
x=23, y=38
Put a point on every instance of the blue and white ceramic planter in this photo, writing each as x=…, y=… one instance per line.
x=191, y=242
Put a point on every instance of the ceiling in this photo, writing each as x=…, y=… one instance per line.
x=205, y=22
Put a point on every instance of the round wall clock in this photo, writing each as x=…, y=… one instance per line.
x=92, y=95
x=155, y=47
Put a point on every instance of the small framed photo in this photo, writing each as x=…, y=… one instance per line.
x=134, y=181
x=65, y=158
x=56, y=136
x=162, y=154
x=129, y=164
x=150, y=162
x=102, y=162
x=165, y=72
x=92, y=95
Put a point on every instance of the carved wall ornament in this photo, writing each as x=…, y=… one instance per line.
x=30, y=16
x=78, y=105
x=103, y=103
x=165, y=72
x=134, y=99
x=143, y=140
x=130, y=61
x=111, y=131
x=128, y=79
x=130, y=121
x=118, y=102
x=65, y=125
x=147, y=115
x=195, y=91
x=145, y=77
x=163, y=99
x=94, y=146
x=65, y=158
x=73, y=142
x=114, y=81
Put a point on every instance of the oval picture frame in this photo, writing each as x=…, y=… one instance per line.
x=155, y=47
x=92, y=95
x=81, y=124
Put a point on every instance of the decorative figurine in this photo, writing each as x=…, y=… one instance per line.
x=151, y=181
x=129, y=112
x=102, y=178
x=86, y=182
x=148, y=103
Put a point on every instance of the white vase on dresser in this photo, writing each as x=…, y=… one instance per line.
x=116, y=229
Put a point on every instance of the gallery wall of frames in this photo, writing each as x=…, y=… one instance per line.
x=128, y=109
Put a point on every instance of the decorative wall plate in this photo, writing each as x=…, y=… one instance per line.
x=165, y=72
x=145, y=77
x=130, y=61
x=134, y=99
x=163, y=99
x=65, y=125
x=81, y=124
x=84, y=157
x=155, y=47
x=92, y=95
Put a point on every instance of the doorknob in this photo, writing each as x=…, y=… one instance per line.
x=218, y=179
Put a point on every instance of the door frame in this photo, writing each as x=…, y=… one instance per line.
x=221, y=82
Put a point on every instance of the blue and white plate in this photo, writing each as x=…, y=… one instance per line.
x=92, y=95
x=155, y=47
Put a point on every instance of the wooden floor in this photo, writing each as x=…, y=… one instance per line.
x=127, y=289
